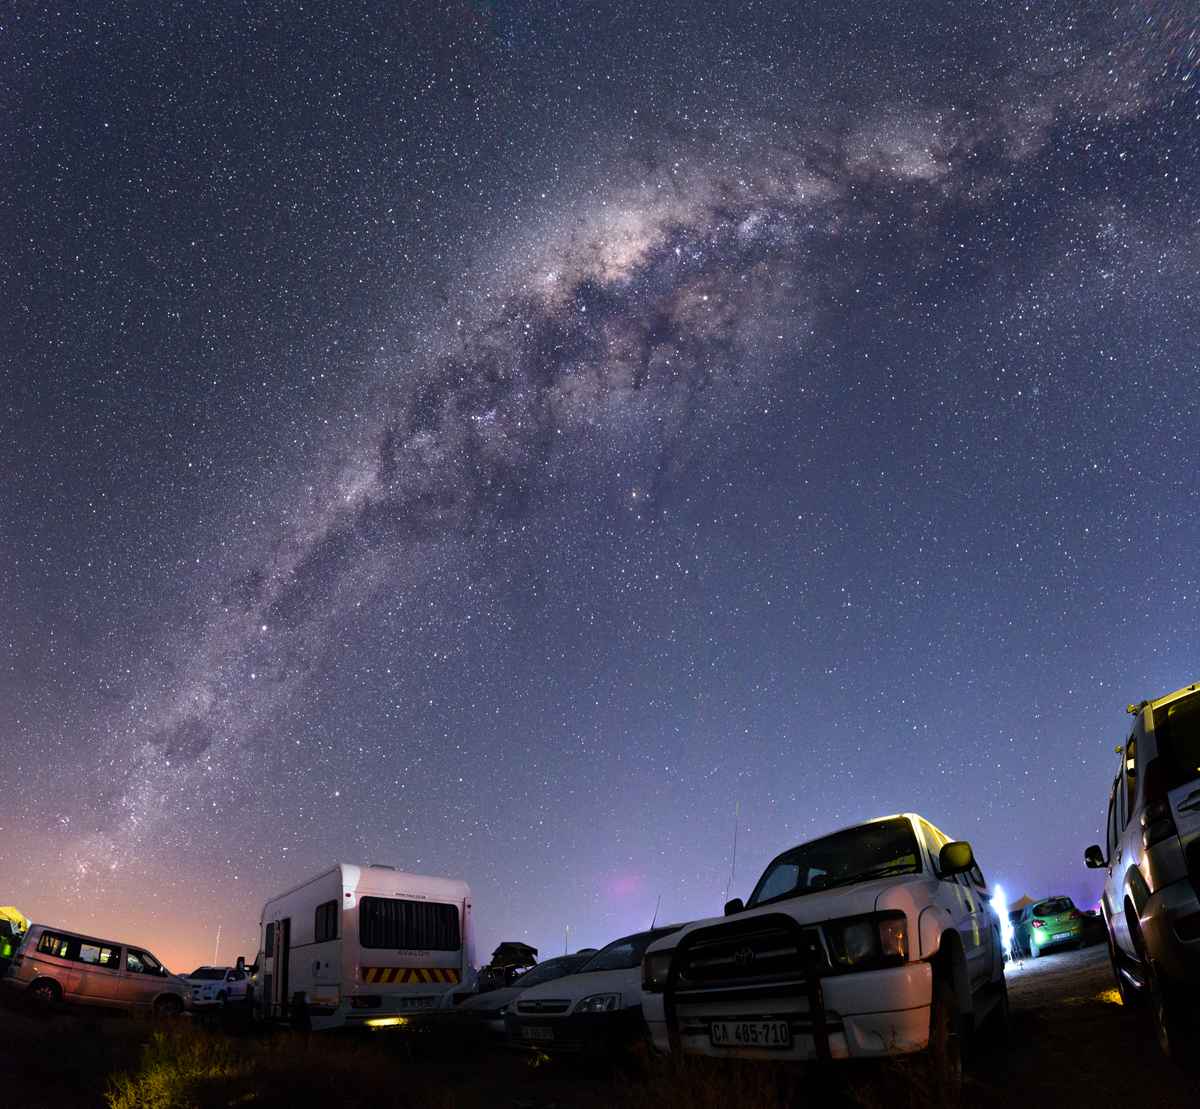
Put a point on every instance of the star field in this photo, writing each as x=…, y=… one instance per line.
x=500, y=439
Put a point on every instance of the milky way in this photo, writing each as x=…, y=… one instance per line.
x=813, y=323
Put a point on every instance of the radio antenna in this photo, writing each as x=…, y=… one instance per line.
x=656, y=905
x=733, y=865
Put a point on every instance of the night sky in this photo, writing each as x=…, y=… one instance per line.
x=506, y=440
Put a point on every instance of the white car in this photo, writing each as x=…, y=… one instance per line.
x=874, y=941
x=594, y=1010
x=219, y=986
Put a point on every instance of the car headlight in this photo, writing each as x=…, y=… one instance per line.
x=599, y=1003
x=863, y=942
x=655, y=968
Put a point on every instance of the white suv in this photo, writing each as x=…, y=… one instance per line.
x=1151, y=900
x=876, y=940
x=218, y=986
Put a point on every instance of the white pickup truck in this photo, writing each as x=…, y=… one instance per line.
x=873, y=941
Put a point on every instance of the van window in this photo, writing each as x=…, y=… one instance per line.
x=142, y=962
x=413, y=925
x=326, y=925
x=99, y=954
x=64, y=947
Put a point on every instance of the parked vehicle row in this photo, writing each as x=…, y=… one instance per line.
x=875, y=940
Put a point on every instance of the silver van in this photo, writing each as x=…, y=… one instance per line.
x=53, y=965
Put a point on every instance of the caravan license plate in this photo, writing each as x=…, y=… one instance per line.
x=537, y=1032
x=750, y=1033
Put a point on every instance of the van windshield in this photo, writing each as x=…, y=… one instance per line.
x=875, y=850
x=1177, y=733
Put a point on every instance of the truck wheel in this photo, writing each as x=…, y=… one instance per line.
x=999, y=1021
x=945, y=1040
x=221, y=999
x=45, y=993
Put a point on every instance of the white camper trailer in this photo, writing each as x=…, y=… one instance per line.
x=364, y=946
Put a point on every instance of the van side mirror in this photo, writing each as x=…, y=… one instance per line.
x=1094, y=857
x=734, y=906
x=956, y=858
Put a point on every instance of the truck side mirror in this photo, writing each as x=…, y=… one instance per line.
x=1094, y=857
x=734, y=906
x=955, y=858
x=241, y=963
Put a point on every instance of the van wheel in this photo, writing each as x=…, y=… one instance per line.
x=169, y=1006
x=945, y=1041
x=45, y=993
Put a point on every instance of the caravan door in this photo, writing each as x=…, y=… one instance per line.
x=276, y=956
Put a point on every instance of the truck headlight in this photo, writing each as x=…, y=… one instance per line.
x=864, y=942
x=599, y=1003
x=655, y=968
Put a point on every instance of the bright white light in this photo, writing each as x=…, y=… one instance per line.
x=1000, y=904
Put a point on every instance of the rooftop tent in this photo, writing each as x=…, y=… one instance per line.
x=19, y=921
x=511, y=954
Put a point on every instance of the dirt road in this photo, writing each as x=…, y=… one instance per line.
x=1074, y=1044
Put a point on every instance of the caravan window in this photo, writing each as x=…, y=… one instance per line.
x=326, y=927
x=413, y=925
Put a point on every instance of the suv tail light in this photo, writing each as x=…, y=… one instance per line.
x=1156, y=816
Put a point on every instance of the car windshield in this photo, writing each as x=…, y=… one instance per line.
x=551, y=969
x=1054, y=905
x=1177, y=733
x=208, y=973
x=874, y=850
x=625, y=953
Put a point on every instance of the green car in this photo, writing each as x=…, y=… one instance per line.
x=1054, y=922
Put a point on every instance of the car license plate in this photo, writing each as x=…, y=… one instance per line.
x=1061, y=936
x=750, y=1033
x=537, y=1032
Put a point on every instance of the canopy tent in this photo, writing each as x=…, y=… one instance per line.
x=512, y=954
x=1025, y=899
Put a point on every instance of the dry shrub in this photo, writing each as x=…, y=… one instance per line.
x=919, y=1081
x=696, y=1082
x=188, y=1068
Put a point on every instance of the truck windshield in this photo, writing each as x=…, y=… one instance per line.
x=873, y=850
